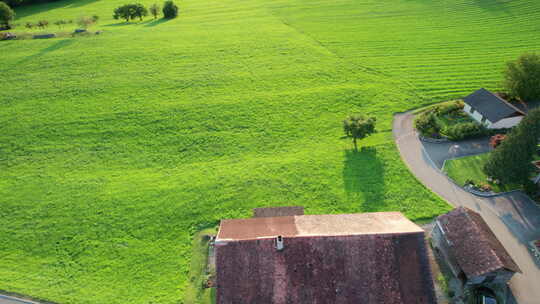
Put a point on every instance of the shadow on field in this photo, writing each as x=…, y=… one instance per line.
x=157, y=22
x=30, y=10
x=121, y=24
x=51, y=48
x=363, y=178
x=493, y=5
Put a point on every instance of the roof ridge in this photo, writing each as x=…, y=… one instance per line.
x=505, y=101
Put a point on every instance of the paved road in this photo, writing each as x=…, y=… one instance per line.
x=12, y=300
x=514, y=218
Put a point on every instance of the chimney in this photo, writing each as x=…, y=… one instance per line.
x=279, y=243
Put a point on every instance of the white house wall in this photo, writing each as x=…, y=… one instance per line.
x=506, y=123
x=476, y=116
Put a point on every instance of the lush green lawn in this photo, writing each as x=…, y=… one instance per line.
x=470, y=168
x=116, y=149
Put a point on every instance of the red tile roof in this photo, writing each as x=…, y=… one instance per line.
x=473, y=244
x=316, y=225
x=278, y=211
x=352, y=258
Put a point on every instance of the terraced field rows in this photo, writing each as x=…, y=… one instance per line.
x=116, y=149
x=445, y=49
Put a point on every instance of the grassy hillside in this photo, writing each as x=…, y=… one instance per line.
x=116, y=149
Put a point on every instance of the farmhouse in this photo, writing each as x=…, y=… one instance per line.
x=491, y=110
x=471, y=250
x=347, y=258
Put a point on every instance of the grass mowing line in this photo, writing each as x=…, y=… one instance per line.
x=117, y=149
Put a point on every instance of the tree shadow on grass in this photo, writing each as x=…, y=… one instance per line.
x=121, y=24
x=51, y=48
x=157, y=22
x=494, y=5
x=363, y=178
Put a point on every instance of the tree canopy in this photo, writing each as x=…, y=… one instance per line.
x=154, y=10
x=522, y=77
x=358, y=127
x=6, y=14
x=130, y=11
x=170, y=10
x=511, y=161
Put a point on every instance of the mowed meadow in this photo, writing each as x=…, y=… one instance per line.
x=115, y=149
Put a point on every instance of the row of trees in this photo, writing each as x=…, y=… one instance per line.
x=137, y=10
x=84, y=22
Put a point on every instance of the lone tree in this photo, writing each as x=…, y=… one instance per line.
x=511, y=161
x=358, y=127
x=154, y=10
x=170, y=10
x=522, y=77
x=6, y=15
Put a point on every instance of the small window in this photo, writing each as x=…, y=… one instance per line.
x=471, y=110
x=484, y=120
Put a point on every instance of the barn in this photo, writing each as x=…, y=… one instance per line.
x=471, y=250
x=340, y=258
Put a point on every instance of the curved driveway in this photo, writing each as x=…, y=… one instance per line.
x=514, y=218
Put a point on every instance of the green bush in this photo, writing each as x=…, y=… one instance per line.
x=6, y=15
x=426, y=124
x=170, y=10
x=465, y=130
x=530, y=188
x=450, y=108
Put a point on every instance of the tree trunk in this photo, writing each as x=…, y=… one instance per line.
x=355, y=146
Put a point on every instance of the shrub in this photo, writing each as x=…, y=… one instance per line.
x=530, y=188
x=485, y=187
x=170, y=10
x=6, y=15
x=43, y=24
x=450, y=108
x=95, y=18
x=465, y=130
x=469, y=182
x=29, y=25
x=85, y=22
x=426, y=124
x=496, y=140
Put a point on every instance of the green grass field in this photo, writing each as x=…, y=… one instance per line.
x=471, y=168
x=115, y=150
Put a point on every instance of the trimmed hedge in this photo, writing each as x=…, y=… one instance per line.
x=465, y=130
